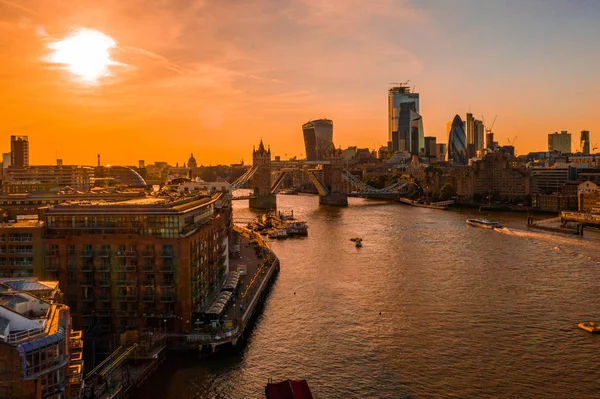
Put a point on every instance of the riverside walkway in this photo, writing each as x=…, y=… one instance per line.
x=258, y=267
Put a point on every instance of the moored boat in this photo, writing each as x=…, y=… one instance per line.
x=297, y=228
x=484, y=223
x=358, y=243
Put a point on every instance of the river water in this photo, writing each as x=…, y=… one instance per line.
x=427, y=308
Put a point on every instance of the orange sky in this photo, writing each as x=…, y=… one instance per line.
x=214, y=77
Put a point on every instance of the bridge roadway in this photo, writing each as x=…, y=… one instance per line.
x=251, y=291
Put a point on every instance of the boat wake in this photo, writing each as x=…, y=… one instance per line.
x=559, y=244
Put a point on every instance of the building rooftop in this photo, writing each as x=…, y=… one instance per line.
x=21, y=223
x=28, y=284
x=12, y=300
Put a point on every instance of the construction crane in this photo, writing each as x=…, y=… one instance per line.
x=595, y=147
x=512, y=142
x=489, y=130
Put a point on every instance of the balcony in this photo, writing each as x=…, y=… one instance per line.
x=166, y=254
x=104, y=298
x=169, y=268
x=131, y=254
x=126, y=297
x=87, y=282
x=86, y=254
x=126, y=313
x=103, y=313
x=51, y=253
x=149, y=298
x=148, y=254
x=87, y=267
x=103, y=283
x=104, y=253
x=52, y=267
x=167, y=298
x=148, y=267
x=166, y=285
x=103, y=268
x=125, y=282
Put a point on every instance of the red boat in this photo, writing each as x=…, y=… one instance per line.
x=288, y=389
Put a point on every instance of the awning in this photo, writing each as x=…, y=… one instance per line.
x=216, y=308
x=232, y=281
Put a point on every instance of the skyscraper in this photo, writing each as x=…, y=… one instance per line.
x=457, y=148
x=19, y=151
x=405, y=125
x=479, y=133
x=585, y=142
x=470, y=132
x=318, y=136
x=430, y=147
x=560, y=142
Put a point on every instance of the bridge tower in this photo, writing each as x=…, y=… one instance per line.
x=261, y=182
x=332, y=177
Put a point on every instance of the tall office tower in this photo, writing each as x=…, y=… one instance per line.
x=560, y=142
x=479, y=134
x=19, y=151
x=318, y=136
x=585, y=142
x=408, y=134
x=470, y=132
x=397, y=96
x=457, y=147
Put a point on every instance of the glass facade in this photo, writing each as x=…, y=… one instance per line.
x=397, y=96
x=457, y=142
x=407, y=134
x=147, y=225
x=318, y=137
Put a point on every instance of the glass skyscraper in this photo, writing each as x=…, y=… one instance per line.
x=318, y=136
x=457, y=142
x=405, y=125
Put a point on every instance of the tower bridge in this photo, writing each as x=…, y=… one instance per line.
x=333, y=182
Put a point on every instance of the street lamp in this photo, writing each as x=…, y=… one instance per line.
x=165, y=324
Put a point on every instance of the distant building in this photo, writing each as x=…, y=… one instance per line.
x=440, y=151
x=585, y=142
x=21, y=253
x=405, y=124
x=46, y=177
x=318, y=136
x=560, y=142
x=192, y=162
x=431, y=147
x=549, y=180
x=478, y=135
x=19, y=151
x=457, y=146
x=40, y=355
x=489, y=140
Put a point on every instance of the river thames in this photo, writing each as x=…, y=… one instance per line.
x=427, y=308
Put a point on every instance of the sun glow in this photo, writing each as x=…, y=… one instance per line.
x=85, y=53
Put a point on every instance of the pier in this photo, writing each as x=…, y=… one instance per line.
x=257, y=267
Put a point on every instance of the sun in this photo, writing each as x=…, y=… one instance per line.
x=85, y=53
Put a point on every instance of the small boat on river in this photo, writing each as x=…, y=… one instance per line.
x=590, y=326
x=358, y=243
x=484, y=223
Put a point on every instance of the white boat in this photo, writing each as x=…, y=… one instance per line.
x=281, y=233
x=297, y=228
x=484, y=223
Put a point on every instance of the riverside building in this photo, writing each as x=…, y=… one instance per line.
x=40, y=355
x=145, y=264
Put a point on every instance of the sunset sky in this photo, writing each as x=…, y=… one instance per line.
x=213, y=77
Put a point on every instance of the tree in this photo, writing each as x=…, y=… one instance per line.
x=447, y=192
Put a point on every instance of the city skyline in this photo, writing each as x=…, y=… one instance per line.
x=171, y=93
